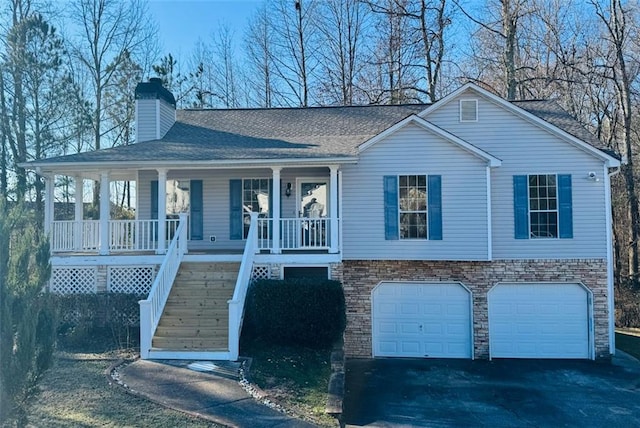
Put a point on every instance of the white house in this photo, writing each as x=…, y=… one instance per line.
x=473, y=227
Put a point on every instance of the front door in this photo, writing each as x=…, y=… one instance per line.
x=312, y=208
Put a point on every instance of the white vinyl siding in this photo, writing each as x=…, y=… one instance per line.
x=414, y=150
x=525, y=148
x=146, y=120
x=167, y=117
x=215, y=198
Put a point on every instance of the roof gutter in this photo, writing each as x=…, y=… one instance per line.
x=224, y=164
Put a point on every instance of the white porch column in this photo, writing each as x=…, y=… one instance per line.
x=333, y=208
x=78, y=215
x=162, y=211
x=104, y=212
x=275, y=210
x=48, y=203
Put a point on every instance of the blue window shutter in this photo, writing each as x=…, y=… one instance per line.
x=434, y=208
x=521, y=206
x=235, y=209
x=565, y=207
x=196, y=217
x=391, y=207
x=154, y=200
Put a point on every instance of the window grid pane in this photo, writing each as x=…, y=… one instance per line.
x=255, y=198
x=412, y=194
x=543, y=211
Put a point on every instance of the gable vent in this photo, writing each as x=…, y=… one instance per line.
x=468, y=110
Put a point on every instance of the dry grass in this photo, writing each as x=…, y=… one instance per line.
x=76, y=393
x=296, y=378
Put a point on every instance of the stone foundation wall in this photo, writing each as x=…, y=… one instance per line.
x=360, y=277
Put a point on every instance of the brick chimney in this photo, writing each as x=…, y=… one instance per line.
x=155, y=110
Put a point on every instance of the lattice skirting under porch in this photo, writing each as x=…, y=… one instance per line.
x=136, y=279
x=130, y=279
x=261, y=272
x=74, y=279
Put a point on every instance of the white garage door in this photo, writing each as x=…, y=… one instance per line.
x=421, y=320
x=539, y=320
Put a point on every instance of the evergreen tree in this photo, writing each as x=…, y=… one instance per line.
x=27, y=317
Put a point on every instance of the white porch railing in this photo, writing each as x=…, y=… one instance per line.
x=124, y=235
x=75, y=235
x=151, y=308
x=236, y=304
x=297, y=233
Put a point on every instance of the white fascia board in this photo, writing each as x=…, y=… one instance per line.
x=71, y=167
x=492, y=160
x=610, y=160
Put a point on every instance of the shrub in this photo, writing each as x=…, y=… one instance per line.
x=110, y=320
x=306, y=312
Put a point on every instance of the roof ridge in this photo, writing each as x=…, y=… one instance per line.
x=305, y=108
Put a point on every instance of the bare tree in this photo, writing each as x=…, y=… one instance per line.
x=259, y=41
x=622, y=68
x=342, y=27
x=224, y=68
x=110, y=29
x=496, y=45
x=295, y=47
x=427, y=21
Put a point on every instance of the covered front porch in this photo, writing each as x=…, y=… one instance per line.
x=297, y=211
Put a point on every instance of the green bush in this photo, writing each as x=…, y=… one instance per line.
x=306, y=312
x=99, y=321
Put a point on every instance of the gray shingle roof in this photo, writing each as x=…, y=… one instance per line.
x=285, y=133
x=248, y=134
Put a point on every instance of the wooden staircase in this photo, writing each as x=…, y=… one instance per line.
x=196, y=315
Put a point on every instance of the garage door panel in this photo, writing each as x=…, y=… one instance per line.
x=388, y=328
x=429, y=319
x=539, y=320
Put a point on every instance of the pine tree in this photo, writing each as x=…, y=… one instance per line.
x=27, y=318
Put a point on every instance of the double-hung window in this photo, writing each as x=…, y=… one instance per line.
x=413, y=206
x=543, y=206
x=412, y=202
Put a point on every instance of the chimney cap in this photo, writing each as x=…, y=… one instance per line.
x=154, y=90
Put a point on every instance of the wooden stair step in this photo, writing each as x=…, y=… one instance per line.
x=194, y=322
x=189, y=343
x=197, y=303
x=204, y=283
x=201, y=292
x=202, y=276
x=185, y=311
x=210, y=332
x=210, y=266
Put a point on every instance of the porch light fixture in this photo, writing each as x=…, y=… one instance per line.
x=287, y=191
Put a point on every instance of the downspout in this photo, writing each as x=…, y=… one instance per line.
x=610, y=297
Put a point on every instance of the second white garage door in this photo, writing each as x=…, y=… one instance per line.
x=421, y=320
x=539, y=320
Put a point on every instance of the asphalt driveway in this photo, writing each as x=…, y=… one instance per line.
x=499, y=393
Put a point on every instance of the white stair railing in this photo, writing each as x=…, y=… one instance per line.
x=151, y=308
x=236, y=304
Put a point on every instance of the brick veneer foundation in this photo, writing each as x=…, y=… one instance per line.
x=361, y=276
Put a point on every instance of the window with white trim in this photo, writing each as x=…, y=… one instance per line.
x=543, y=206
x=412, y=204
